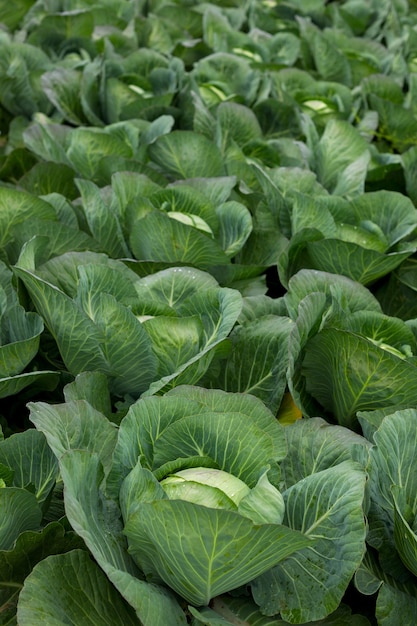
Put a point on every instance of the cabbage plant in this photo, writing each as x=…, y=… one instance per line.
x=390, y=569
x=201, y=508
x=140, y=332
x=346, y=354
x=183, y=497
x=198, y=493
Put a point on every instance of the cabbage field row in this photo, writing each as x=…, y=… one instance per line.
x=208, y=312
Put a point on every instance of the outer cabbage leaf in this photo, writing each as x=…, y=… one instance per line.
x=217, y=309
x=30, y=547
x=146, y=420
x=347, y=372
x=19, y=339
x=19, y=511
x=92, y=339
x=397, y=124
x=227, y=610
x=340, y=146
x=229, y=73
x=88, y=145
x=391, y=211
x=388, y=332
x=48, y=140
x=312, y=211
x=223, y=549
x=310, y=313
x=186, y=154
x=125, y=344
x=96, y=519
x=237, y=123
x=46, y=380
x=314, y=445
x=128, y=101
x=49, y=178
x=331, y=62
x=102, y=221
x=17, y=207
x=97, y=271
x=75, y=425
x=392, y=602
x=32, y=461
x=175, y=341
x=61, y=238
x=92, y=387
x=353, y=296
x=11, y=16
x=255, y=307
x=171, y=287
x=327, y=506
x=156, y=237
x=20, y=63
x=393, y=491
x=46, y=594
x=215, y=400
x=353, y=260
x=394, y=597
x=235, y=223
x=264, y=343
x=215, y=189
x=62, y=86
x=189, y=197
x=60, y=29
x=404, y=536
